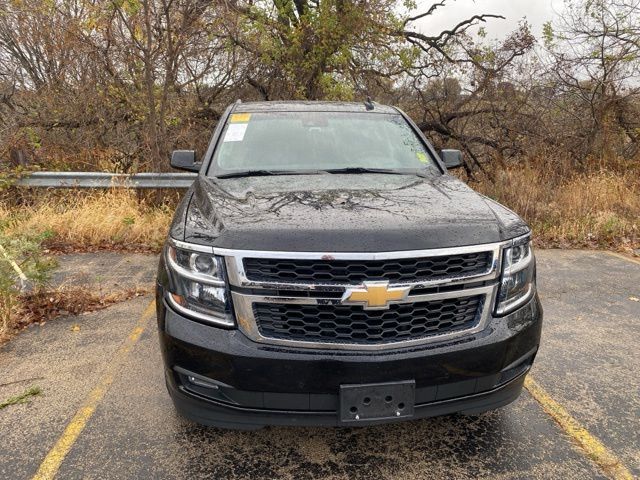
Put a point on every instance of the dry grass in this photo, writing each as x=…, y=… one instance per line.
x=5, y=213
x=116, y=219
x=77, y=221
x=595, y=210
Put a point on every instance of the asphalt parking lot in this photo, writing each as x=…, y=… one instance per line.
x=104, y=411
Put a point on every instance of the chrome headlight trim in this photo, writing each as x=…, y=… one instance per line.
x=508, y=279
x=196, y=277
x=182, y=278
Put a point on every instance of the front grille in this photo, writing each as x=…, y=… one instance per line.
x=408, y=270
x=351, y=324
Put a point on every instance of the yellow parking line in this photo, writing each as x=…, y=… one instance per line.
x=624, y=257
x=51, y=463
x=607, y=461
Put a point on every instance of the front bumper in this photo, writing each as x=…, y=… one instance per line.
x=220, y=377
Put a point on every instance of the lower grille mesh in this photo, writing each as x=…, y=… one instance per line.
x=352, y=324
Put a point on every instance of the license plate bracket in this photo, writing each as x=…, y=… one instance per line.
x=377, y=401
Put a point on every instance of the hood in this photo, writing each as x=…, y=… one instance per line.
x=343, y=213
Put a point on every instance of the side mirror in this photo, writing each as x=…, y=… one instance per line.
x=185, y=160
x=451, y=158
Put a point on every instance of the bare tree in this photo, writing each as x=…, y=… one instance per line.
x=117, y=84
x=465, y=91
x=129, y=79
x=595, y=48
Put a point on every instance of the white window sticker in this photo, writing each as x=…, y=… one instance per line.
x=235, y=132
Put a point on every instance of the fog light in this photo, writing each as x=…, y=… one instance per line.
x=202, y=383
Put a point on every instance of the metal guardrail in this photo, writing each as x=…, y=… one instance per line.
x=106, y=180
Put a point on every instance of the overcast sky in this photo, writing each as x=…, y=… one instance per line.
x=537, y=12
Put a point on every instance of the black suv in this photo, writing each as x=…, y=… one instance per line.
x=324, y=269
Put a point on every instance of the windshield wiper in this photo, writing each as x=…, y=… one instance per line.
x=367, y=170
x=265, y=173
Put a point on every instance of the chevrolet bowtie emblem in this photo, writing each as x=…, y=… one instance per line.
x=374, y=295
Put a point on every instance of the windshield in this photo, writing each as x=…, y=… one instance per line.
x=315, y=142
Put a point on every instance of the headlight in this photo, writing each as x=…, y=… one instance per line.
x=197, y=285
x=518, y=282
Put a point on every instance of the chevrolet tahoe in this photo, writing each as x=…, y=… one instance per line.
x=325, y=269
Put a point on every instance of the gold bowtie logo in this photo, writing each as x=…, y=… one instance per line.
x=374, y=295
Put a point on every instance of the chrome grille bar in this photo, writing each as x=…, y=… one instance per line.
x=237, y=276
x=246, y=292
x=243, y=304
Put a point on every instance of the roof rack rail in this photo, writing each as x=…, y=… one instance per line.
x=235, y=104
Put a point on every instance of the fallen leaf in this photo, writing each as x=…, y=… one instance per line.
x=75, y=328
x=634, y=299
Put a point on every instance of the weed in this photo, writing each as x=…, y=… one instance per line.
x=21, y=266
x=22, y=398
